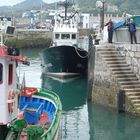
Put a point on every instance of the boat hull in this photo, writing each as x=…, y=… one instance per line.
x=40, y=119
x=67, y=60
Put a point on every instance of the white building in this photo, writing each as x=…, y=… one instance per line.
x=7, y=21
x=85, y=20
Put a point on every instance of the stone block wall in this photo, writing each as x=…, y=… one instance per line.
x=132, y=55
x=106, y=89
x=33, y=33
x=105, y=86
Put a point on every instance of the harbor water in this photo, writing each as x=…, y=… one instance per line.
x=81, y=120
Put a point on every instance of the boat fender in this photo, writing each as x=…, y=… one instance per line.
x=11, y=96
x=20, y=115
x=30, y=91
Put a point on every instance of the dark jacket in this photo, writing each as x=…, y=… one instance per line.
x=132, y=27
x=109, y=24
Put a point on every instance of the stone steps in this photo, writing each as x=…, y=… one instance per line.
x=133, y=93
x=123, y=73
x=110, y=55
x=120, y=68
x=109, y=52
x=115, y=59
x=135, y=101
x=137, y=104
x=118, y=65
x=106, y=49
x=137, y=89
x=129, y=82
x=131, y=86
x=123, y=79
x=116, y=62
x=134, y=97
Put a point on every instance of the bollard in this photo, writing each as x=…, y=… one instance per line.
x=121, y=101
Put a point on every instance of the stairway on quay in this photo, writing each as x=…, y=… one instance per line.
x=123, y=72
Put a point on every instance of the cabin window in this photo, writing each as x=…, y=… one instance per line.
x=57, y=36
x=65, y=36
x=10, y=78
x=73, y=36
x=1, y=73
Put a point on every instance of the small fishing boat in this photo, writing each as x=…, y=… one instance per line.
x=65, y=58
x=27, y=113
x=39, y=116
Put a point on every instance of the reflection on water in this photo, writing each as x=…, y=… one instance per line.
x=72, y=93
x=82, y=120
x=110, y=125
x=73, y=97
x=33, y=71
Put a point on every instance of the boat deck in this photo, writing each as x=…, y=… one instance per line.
x=44, y=122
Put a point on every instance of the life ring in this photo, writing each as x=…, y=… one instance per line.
x=11, y=96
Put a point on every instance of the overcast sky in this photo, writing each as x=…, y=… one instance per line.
x=13, y=2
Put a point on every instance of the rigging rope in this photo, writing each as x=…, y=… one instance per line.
x=76, y=49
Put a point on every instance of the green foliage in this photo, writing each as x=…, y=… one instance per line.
x=129, y=6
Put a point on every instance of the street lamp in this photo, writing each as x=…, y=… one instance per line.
x=100, y=4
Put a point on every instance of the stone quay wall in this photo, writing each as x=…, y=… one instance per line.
x=105, y=86
x=132, y=55
x=106, y=90
x=44, y=33
x=32, y=33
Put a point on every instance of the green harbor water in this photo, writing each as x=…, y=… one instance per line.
x=81, y=120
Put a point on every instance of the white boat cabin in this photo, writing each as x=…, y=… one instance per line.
x=65, y=36
x=8, y=87
x=9, y=83
x=65, y=32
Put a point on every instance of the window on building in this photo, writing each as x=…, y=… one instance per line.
x=57, y=36
x=73, y=36
x=10, y=78
x=1, y=73
x=65, y=36
x=86, y=25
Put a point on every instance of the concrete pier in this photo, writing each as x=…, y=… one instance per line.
x=116, y=76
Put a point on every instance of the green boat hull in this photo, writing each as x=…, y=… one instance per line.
x=37, y=132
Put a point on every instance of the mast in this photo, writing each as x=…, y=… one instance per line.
x=65, y=4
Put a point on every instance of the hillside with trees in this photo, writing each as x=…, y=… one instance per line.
x=128, y=6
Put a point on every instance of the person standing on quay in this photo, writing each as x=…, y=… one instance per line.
x=110, y=30
x=132, y=30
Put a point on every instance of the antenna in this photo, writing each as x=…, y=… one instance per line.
x=65, y=4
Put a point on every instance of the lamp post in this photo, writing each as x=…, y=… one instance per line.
x=100, y=4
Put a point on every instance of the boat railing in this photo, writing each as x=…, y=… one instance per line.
x=64, y=25
x=126, y=52
x=55, y=124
